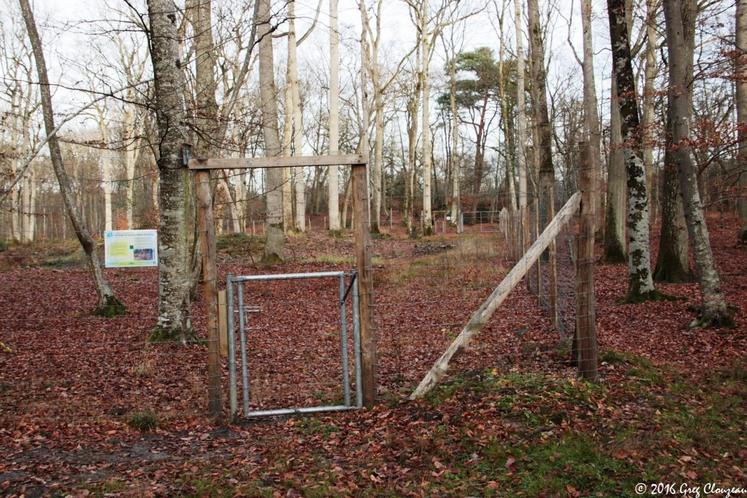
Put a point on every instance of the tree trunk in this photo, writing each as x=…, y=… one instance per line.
x=299, y=174
x=521, y=120
x=591, y=113
x=175, y=275
x=680, y=43
x=108, y=304
x=275, y=238
x=614, y=229
x=673, y=262
x=413, y=106
x=427, y=144
x=544, y=149
x=649, y=101
x=740, y=68
x=333, y=201
x=455, y=159
x=641, y=283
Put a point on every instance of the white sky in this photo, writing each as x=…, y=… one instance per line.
x=63, y=45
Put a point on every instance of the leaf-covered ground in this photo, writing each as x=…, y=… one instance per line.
x=86, y=407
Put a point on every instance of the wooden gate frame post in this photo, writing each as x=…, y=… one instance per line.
x=362, y=237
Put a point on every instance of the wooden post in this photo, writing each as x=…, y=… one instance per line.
x=206, y=231
x=362, y=237
x=223, y=323
x=586, y=333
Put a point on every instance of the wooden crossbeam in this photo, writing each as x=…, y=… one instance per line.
x=277, y=162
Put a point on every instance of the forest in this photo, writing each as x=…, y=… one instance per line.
x=373, y=247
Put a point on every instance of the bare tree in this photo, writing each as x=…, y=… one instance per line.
x=174, y=270
x=521, y=124
x=333, y=188
x=680, y=20
x=108, y=304
x=275, y=238
x=640, y=281
x=591, y=114
x=673, y=261
x=740, y=67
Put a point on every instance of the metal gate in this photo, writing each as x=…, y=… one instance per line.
x=235, y=289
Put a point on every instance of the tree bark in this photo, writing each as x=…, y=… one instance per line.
x=614, y=228
x=521, y=120
x=740, y=69
x=544, y=149
x=680, y=43
x=275, y=238
x=333, y=204
x=649, y=101
x=640, y=281
x=175, y=275
x=591, y=113
x=455, y=159
x=673, y=261
x=108, y=304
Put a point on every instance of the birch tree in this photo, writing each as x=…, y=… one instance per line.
x=640, y=281
x=680, y=23
x=108, y=304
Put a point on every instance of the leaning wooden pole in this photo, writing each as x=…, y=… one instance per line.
x=206, y=230
x=482, y=315
x=586, y=333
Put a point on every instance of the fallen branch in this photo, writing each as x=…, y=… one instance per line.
x=485, y=311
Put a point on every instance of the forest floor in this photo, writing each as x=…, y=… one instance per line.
x=88, y=408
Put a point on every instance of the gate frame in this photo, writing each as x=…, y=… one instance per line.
x=358, y=163
x=344, y=290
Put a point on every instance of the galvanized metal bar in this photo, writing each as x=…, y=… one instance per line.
x=231, y=346
x=357, y=346
x=298, y=411
x=344, y=340
x=353, y=278
x=288, y=276
x=242, y=336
